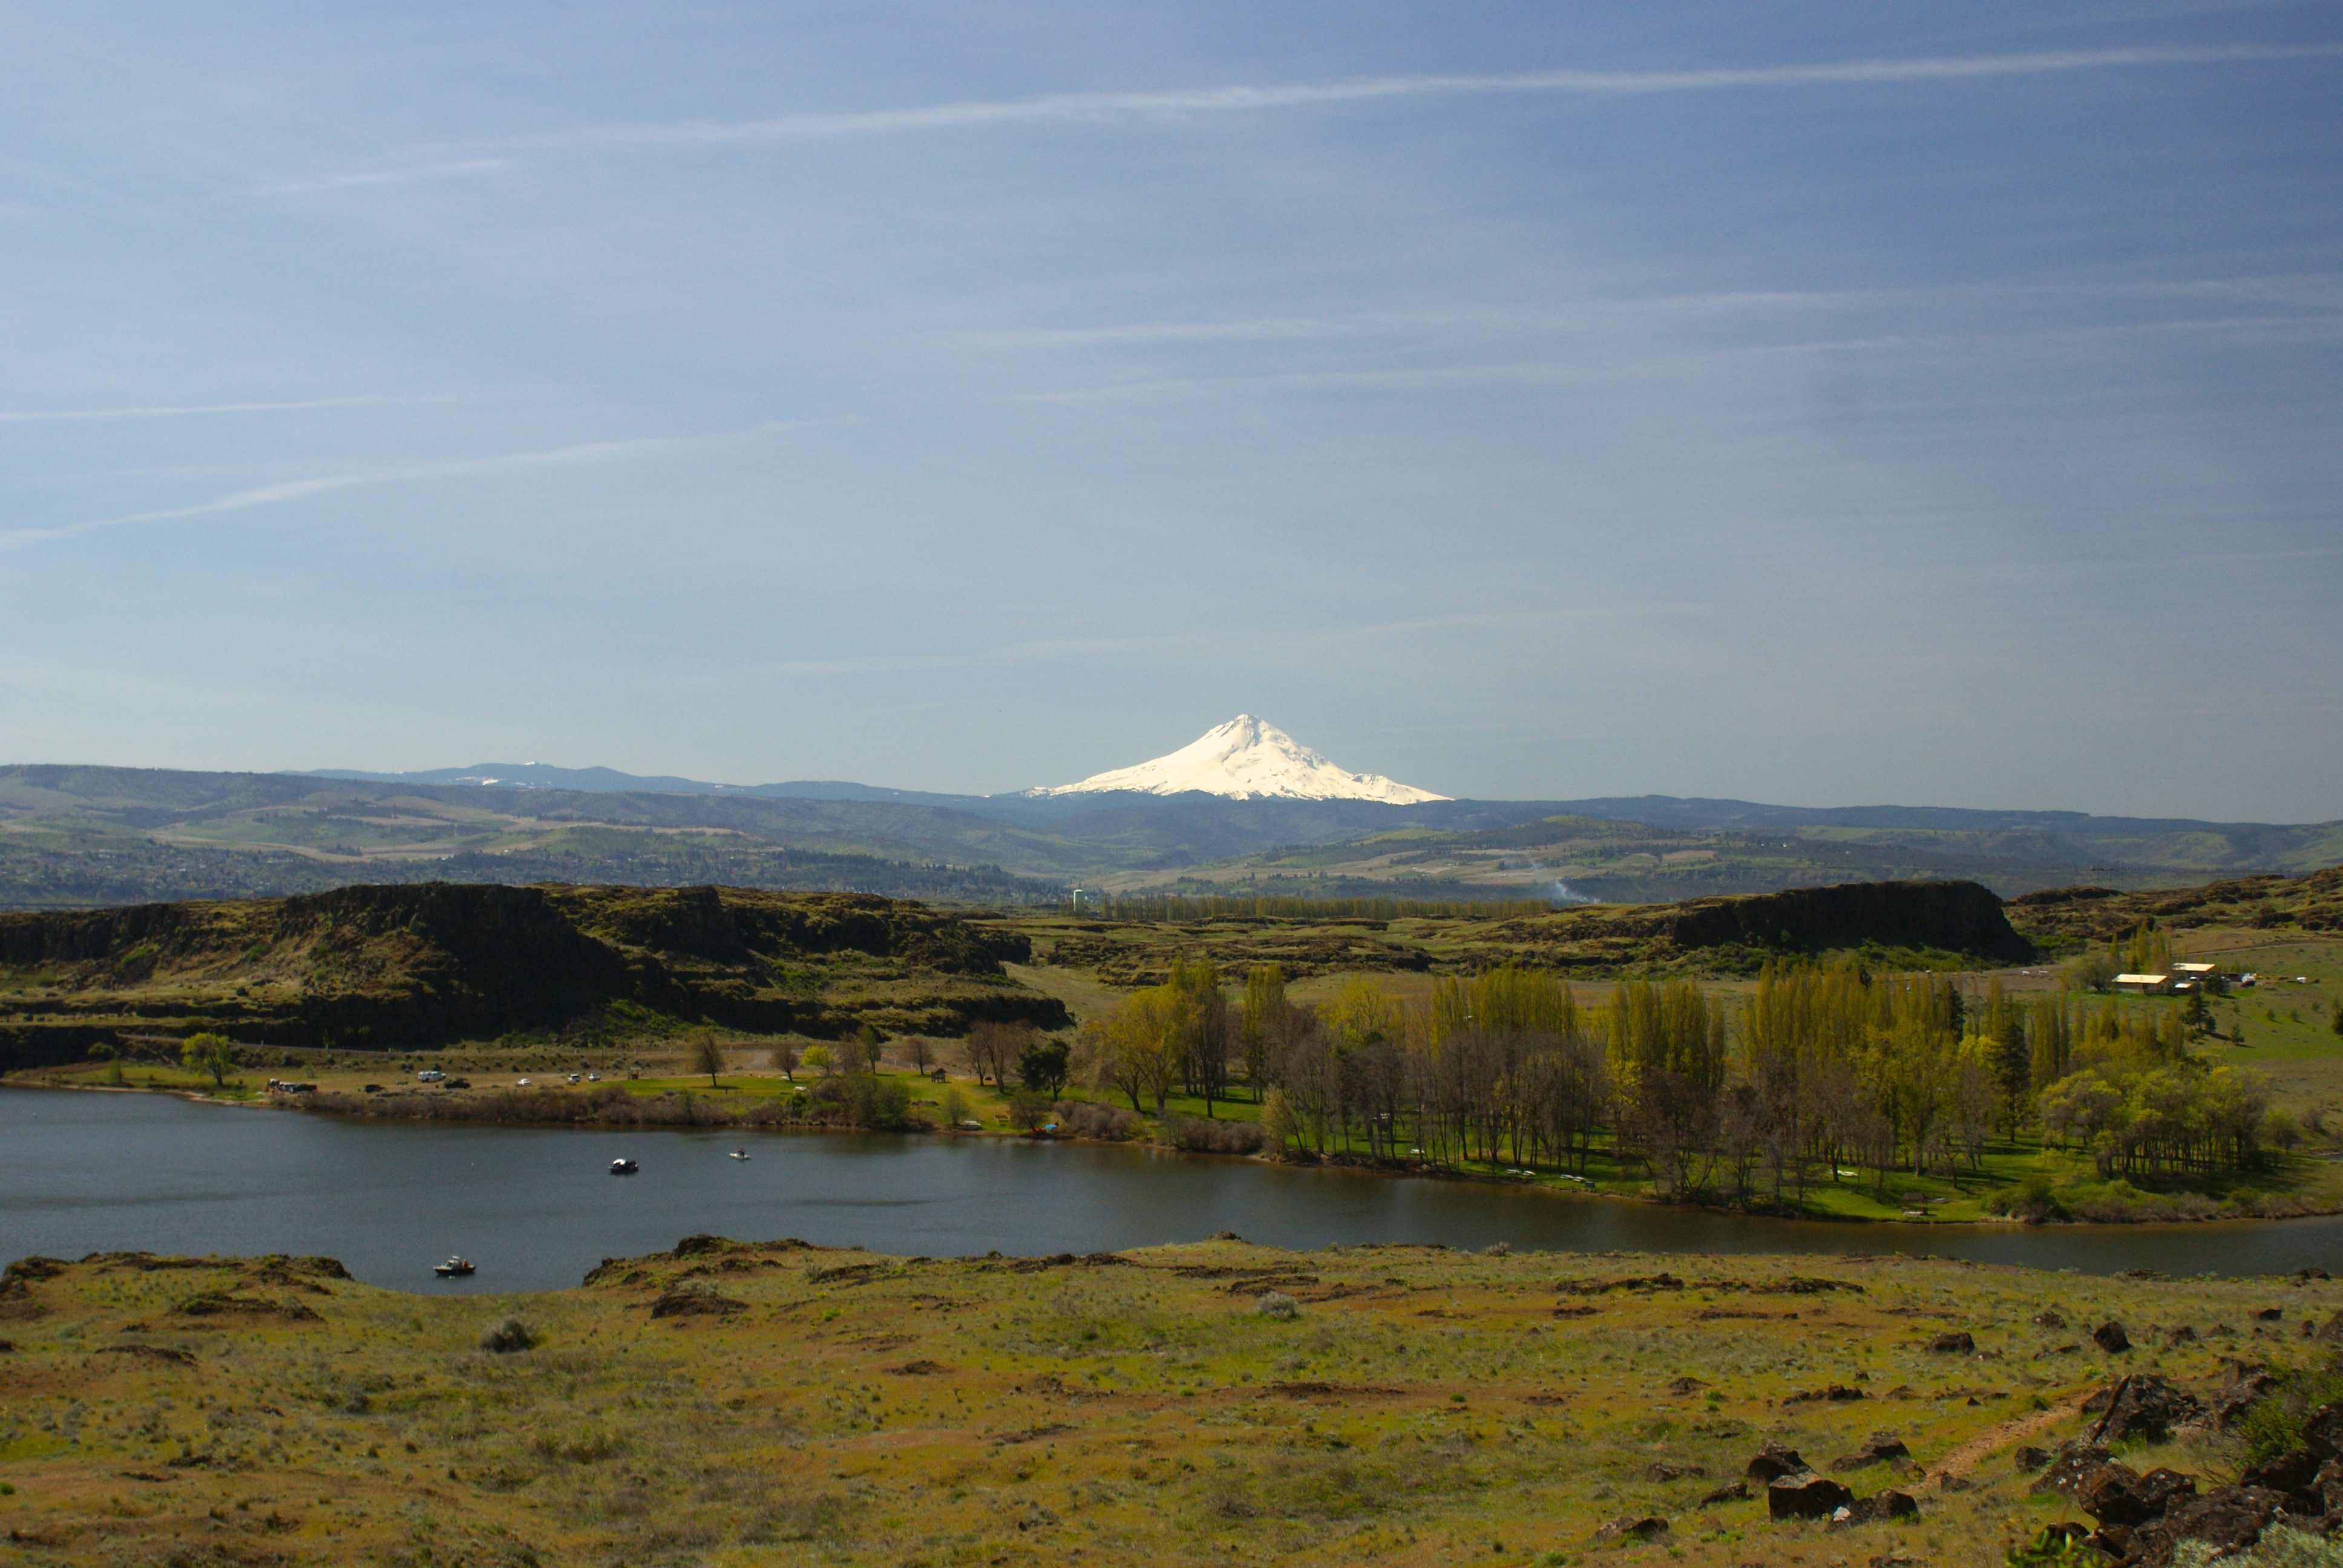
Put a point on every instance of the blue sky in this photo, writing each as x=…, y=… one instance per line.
x=1814, y=403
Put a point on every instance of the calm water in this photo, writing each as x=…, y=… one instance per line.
x=536, y=1208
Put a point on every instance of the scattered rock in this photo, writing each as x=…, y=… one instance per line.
x=1804, y=1495
x=1955, y=1342
x=1660, y=1470
x=2229, y=1406
x=1228, y=1236
x=2182, y=1335
x=2270, y=1315
x=2049, y=1319
x=1947, y=1482
x=506, y=1337
x=2332, y=1332
x=2146, y=1406
x=918, y=1369
x=2067, y=1467
x=2029, y=1459
x=1879, y=1505
x=2116, y=1493
x=2322, y=1431
x=1650, y=1527
x=1772, y=1462
x=2229, y=1519
x=1879, y=1448
x=2110, y=1337
x=1732, y=1492
x=1836, y=1394
x=2301, y=1276
x=1685, y=1385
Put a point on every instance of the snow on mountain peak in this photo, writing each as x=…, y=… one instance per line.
x=1245, y=760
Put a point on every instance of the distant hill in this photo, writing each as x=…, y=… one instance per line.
x=375, y=966
x=87, y=836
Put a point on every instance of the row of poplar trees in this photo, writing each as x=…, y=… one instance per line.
x=1831, y=1071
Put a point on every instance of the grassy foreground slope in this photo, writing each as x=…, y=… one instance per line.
x=752, y=1403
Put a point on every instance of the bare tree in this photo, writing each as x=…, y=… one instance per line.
x=707, y=1056
x=920, y=1054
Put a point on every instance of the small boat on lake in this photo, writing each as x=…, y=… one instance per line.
x=622, y=1167
x=454, y=1268
x=738, y=1154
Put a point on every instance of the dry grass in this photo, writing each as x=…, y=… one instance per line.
x=793, y=1404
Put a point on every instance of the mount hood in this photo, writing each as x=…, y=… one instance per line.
x=1247, y=760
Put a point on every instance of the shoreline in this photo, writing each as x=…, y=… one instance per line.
x=1363, y=1168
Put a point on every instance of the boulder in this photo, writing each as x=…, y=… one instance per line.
x=1626, y=1527
x=1773, y=1460
x=2182, y=1335
x=2068, y=1466
x=2029, y=1459
x=2229, y=1519
x=1956, y=1341
x=1804, y=1495
x=2048, y=1318
x=2327, y=1485
x=2146, y=1406
x=2322, y=1431
x=1879, y=1506
x=1836, y=1394
x=2293, y=1471
x=2331, y=1331
x=2229, y=1406
x=1732, y=1492
x=1879, y=1448
x=2116, y=1493
x=2110, y=1337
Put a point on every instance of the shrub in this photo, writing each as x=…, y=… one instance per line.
x=1212, y=1137
x=1277, y=1305
x=1093, y=1118
x=2272, y=1424
x=506, y=1337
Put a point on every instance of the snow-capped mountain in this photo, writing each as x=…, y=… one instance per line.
x=1245, y=760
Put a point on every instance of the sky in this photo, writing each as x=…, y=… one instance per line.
x=1823, y=405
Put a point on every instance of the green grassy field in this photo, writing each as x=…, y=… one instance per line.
x=739, y=1404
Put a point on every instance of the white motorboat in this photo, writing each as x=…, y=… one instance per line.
x=622, y=1167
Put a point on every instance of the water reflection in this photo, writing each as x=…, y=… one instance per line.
x=536, y=1208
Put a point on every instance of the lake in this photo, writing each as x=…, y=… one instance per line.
x=535, y=1207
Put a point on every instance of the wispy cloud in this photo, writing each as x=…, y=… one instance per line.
x=1253, y=98
x=301, y=489
x=176, y=410
x=453, y=168
x=2320, y=293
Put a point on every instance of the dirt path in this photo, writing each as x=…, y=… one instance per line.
x=1967, y=1457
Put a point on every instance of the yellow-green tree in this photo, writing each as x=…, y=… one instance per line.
x=209, y=1053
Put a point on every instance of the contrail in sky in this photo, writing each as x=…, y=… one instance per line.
x=1301, y=94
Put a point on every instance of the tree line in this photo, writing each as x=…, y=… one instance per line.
x=1831, y=1070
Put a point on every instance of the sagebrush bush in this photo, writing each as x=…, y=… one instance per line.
x=1212, y=1137
x=1093, y=1118
x=506, y=1337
